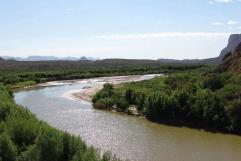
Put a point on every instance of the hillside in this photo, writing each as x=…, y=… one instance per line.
x=81, y=64
x=208, y=61
x=232, y=61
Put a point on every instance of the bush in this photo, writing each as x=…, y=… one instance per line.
x=234, y=113
x=122, y=104
x=31, y=154
x=49, y=145
x=104, y=103
x=4, y=111
x=7, y=148
x=23, y=131
x=214, y=82
x=106, y=92
x=12, y=79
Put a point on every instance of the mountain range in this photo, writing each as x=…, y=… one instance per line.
x=234, y=41
x=47, y=58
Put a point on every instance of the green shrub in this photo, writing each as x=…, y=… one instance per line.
x=104, y=103
x=234, y=113
x=122, y=104
x=8, y=151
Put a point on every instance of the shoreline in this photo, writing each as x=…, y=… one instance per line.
x=96, y=84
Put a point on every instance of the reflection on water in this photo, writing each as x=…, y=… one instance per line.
x=127, y=136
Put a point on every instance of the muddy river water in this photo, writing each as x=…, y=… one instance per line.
x=126, y=136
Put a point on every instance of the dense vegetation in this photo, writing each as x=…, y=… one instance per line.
x=24, y=138
x=200, y=98
x=20, y=74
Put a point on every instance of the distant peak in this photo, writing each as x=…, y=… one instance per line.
x=48, y=58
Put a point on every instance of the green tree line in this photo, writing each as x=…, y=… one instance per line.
x=197, y=98
x=19, y=74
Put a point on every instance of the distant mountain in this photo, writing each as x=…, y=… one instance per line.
x=48, y=58
x=234, y=41
x=88, y=58
x=7, y=58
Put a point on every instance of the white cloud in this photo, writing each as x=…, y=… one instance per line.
x=163, y=35
x=223, y=1
x=228, y=24
x=217, y=24
x=233, y=22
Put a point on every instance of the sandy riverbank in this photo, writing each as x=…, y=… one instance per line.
x=96, y=84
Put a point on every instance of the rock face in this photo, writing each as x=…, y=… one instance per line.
x=232, y=61
x=234, y=41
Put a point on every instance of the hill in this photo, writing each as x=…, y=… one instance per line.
x=209, y=61
x=81, y=64
x=232, y=61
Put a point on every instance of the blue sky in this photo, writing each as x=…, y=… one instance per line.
x=118, y=28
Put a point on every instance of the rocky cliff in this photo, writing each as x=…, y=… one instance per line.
x=232, y=61
x=233, y=42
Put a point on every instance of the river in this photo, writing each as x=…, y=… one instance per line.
x=126, y=136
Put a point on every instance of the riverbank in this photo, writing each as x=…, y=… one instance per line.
x=94, y=85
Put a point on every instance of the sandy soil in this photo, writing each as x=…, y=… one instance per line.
x=90, y=91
